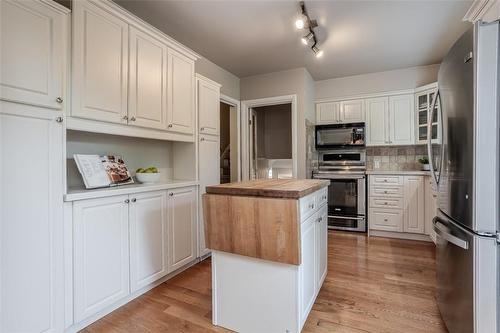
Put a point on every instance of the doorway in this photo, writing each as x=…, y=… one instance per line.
x=229, y=141
x=269, y=141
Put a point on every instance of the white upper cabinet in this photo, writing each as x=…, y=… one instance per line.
x=401, y=120
x=182, y=220
x=148, y=238
x=33, y=52
x=208, y=106
x=127, y=72
x=100, y=60
x=377, y=113
x=147, y=105
x=423, y=100
x=181, y=109
x=31, y=221
x=327, y=113
x=352, y=111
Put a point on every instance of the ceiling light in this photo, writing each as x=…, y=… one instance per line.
x=305, y=40
x=317, y=52
x=299, y=24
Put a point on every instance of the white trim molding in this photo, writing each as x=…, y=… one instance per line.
x=364, y=96
x=245, y=115
x=478, y=10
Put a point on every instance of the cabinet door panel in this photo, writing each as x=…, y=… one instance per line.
x=327, y=113
x=101, y=254
x=100, y=61
x=322, y=245
x=385, y=219
x=209, y=174
x=148, y=238
x=414, y=204
x=148, y=81
x=31, y=222
x=182, y=212
x=401, y=120
x=352, y=111
x=308, y=267
x=208, y=108
x=180, y=115
x=32, y=53
x=376, y=121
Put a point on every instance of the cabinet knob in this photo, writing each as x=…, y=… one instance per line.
x=202, y=139
x=59, y=119
x=132, y=119
x=169, y=125
x=311, y=206
x=385, y=180
x=385, y=192
x=127, y=200
x=202, y=128
x=171, y=194
x=385, y=203
x=385, y=220
x=134, y=199
x=125, y=117
x=59, y=100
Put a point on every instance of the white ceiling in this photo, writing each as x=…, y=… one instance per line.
x=255, y=37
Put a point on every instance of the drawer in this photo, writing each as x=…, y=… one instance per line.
x=386, y=219
x=386, y=180
x=387, y=191
x=386, y=202
x=321, y=197
x=307, y=205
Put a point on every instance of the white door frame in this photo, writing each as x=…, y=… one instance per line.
x=234, y=103
x=245, y=116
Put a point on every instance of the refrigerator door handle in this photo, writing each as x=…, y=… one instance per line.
x=440, y=229
x=430, y=116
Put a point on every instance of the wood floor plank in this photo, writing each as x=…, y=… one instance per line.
x=373, y=285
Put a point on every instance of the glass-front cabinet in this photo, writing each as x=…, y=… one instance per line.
x=423, y=101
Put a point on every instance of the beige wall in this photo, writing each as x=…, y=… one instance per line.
x=295, y=81
x=407, y=78
x=230, y=82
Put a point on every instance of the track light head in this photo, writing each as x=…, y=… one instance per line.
x=317, y=52
x=305, y=40
x=300, y=23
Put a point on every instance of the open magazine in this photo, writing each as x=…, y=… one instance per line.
x=102, y=171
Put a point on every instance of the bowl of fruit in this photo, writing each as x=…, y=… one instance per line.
x=147, y=175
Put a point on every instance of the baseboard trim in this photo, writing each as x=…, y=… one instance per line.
x=400, y=235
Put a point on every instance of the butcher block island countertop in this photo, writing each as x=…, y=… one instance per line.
x=269, y=252
x=273, y=188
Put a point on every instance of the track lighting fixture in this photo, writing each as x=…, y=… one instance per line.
x=305, y=40
x=305, y=22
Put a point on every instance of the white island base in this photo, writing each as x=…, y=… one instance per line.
x=256, y=295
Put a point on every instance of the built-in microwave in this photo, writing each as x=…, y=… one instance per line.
x=340, y=136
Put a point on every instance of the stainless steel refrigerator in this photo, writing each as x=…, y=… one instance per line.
x=465, y=166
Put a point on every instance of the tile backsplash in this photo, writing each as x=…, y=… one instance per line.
x=395, y=158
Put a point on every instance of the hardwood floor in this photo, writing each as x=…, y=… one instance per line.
x=373, y=285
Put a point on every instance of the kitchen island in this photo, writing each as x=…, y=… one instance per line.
x=269, y=252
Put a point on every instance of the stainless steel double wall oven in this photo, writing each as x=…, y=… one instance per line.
x=342, y=160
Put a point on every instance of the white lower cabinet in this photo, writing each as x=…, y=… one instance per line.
x=31, y=219
x=101, y=253
x=308, y=267
x=321, y=245
x=122, y=244
x=182, y=212
x=397, y=204
x=148, y=238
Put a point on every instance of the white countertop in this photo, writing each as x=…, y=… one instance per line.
x=80, y=193
x=398, y=172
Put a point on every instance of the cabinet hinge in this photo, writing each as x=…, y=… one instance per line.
x=498, y=237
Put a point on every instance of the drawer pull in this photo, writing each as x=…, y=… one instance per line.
x=385, y=203
x=385, y=220
x=385, y=180
x=385, y=192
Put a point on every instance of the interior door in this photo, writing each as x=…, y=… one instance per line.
x=453, y=159
x=32, y=53
x=147, y=105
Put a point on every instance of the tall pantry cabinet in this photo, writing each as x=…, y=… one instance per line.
x=32, y=97
x=208, y=109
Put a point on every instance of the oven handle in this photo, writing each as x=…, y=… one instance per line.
x=345, y=217
x=351, y=176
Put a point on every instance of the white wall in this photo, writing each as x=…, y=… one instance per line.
x=288, y=82
x=230, y=82
x=407, y=78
